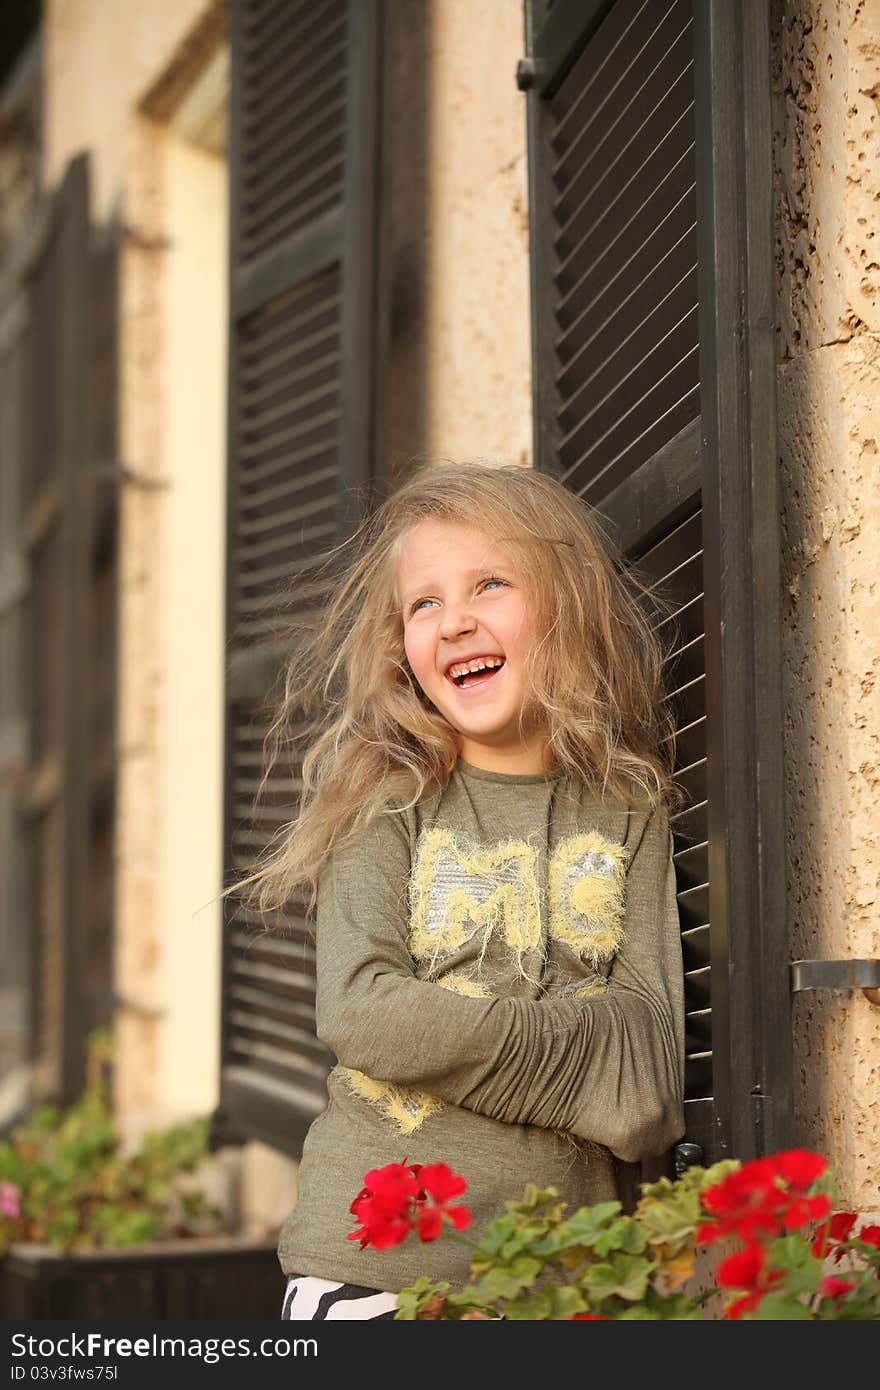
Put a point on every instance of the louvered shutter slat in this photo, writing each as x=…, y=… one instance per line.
x=303, y=114
x=300, y=170
x=620, y=342
x=291, y=63
x=254, y=502
x=263, y=25
x=617, y=190
x=644, y=85
x=622, y=227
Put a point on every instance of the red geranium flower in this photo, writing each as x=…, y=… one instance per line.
x=383, y=1206
x=440, y=1182
x=589, y=1317
x=841, y=1225
x=805, y=1209
x=747, y=1202
x=753, y=1185
x=428, y=1223
x=746, y=1270
x=800, y=1167
x=708, y=1233
x=394, y=1201
x=741, y=1271
x=835, y=1288
x=765, y=1197
x=870, y=1235
x=838, y=1229
x=747, y=1304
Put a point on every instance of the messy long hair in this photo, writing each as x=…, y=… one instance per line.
x=371, y=742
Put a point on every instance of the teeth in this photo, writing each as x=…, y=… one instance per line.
x=478, y=664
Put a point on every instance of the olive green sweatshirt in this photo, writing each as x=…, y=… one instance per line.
x=499, y=976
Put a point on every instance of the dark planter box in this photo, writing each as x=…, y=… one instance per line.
x=210, y=1277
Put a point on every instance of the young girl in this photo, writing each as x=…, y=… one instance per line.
x=485, y=830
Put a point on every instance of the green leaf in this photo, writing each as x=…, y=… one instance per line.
x=583, y=1227
x=532, y=1307
x=497, y=1232
x=624, y=1234
x=675, y=1307
x=781, y=1306
x=526, y=1238
x=624, y=1275
x=133, y=1228
x=551, y=1244
x=507, y=1283
x=710, y=1177
x=534, y=1198
x=802, y=1269
x=565, y=1301
x=669, y=1218
x=411, y=1300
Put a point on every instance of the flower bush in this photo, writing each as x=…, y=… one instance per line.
x=64, y=1182
x=535, y=1262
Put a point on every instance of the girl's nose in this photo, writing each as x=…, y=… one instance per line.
x=456, y=621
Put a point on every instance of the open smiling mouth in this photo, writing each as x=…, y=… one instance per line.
x=471, y=680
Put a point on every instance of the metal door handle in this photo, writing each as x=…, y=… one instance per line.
x=686, y=1155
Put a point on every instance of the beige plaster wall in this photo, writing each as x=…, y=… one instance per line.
x=102, y=59
x=191, y=740
x=101, y=56
x=143, y=601
x=827, y=175
x=460, y=348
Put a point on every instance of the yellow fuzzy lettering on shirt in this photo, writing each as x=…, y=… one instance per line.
x=586, y=880
x=407, y=1110
x=463, y=984
x=457, y=889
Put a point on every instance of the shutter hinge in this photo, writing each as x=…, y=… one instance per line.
x=837, y=974
x=530, y=72
x=763, y=1116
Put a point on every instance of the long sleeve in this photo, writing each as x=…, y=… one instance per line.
x=619, y=1077
x=606, y=1069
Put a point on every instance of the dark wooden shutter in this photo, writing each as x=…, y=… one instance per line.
x=16, y=880
x=305, y=338
x=654, y=381
x=58, y=629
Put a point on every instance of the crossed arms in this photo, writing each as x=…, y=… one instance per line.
x=608, y=1069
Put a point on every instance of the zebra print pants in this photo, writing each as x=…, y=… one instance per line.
x=308, y=1298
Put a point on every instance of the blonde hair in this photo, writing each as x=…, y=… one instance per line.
x=373, y=743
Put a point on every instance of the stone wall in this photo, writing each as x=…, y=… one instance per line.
x=460, y=372
x=827, y=177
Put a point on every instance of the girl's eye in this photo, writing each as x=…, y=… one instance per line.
x=490, y=579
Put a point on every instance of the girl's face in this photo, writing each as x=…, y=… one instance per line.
x=462, y=599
